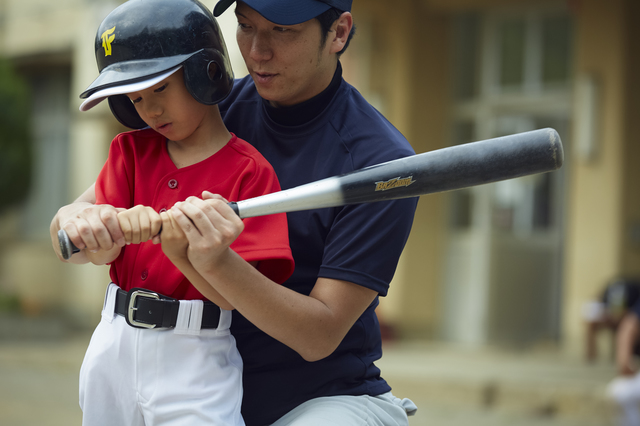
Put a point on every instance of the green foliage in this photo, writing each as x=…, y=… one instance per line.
x=15, y=143
x=9, y=303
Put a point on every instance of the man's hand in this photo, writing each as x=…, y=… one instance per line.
x=210, y=226
x=174, y=241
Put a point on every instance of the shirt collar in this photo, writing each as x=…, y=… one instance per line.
x=296, y=115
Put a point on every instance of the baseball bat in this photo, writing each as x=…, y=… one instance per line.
x=446, y=169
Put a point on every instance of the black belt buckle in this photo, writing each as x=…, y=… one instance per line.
x=132, y=296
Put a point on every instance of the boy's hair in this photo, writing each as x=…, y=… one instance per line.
x=326, y=20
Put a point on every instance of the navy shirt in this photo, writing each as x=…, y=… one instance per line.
x=358, y=243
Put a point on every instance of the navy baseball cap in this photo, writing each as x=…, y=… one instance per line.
x=287, y=12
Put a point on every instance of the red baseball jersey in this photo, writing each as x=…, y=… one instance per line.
x=140, y=171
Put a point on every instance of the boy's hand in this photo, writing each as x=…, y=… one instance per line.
x=94, y=227
x=174, y=241
x=139, y=224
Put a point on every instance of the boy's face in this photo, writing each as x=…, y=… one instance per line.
x=287, y=63
x=169, y=108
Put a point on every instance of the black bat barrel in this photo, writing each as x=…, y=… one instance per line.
x=456, y=167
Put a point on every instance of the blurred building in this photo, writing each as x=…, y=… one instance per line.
x=507, y=263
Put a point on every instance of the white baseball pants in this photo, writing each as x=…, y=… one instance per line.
x=180, y=376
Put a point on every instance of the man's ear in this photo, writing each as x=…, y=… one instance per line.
x=340, y=30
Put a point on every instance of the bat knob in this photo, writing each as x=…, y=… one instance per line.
x=67, y=248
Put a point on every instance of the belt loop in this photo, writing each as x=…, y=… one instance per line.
x=195, y=320
x=182, y=322
x=189, y=319
x=225, y=319
x=109, y=307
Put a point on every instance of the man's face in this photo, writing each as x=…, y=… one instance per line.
x=288, y=63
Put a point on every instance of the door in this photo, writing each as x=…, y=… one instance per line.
x=502, y=276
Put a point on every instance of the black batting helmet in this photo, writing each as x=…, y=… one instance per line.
x=144, y=41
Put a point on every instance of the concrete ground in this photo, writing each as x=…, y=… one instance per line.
x=451, y=386
x=39, y=381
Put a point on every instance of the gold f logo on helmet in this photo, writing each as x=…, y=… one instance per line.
x=107, y=38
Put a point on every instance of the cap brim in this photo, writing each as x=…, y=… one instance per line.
x=103, y=94
x=221, y=6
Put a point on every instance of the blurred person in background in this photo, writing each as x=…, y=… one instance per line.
x=606, y=313
x=625, y=389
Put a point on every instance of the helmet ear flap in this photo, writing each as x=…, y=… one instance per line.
x=208, y=76
x=214, y=72
x=124, y=111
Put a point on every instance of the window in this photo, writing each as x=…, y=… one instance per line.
x=50, y=87
x=511, y=74
x=511, y=47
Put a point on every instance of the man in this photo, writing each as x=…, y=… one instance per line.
x=308, y=346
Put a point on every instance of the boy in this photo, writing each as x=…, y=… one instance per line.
x=163, y=68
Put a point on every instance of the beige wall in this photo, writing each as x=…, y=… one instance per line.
x=406, y=51
x=603, y=202
x=631, y=190
x=405, y=71
x=467, y=5
x=428, y=84
x=594, y=233
x=602, y=199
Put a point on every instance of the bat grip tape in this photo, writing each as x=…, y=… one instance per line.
x=234, y=207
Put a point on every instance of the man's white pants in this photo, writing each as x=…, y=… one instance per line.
x=348, y=410
x=179, y=376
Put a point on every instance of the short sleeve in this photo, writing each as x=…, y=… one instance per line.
x=114, y=184
x=363, y=237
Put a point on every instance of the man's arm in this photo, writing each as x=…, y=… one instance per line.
x=311, y=325
x=90, y=226
x=174, y=246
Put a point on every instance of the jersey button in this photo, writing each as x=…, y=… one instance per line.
x=144, y=275
x=173, y=184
